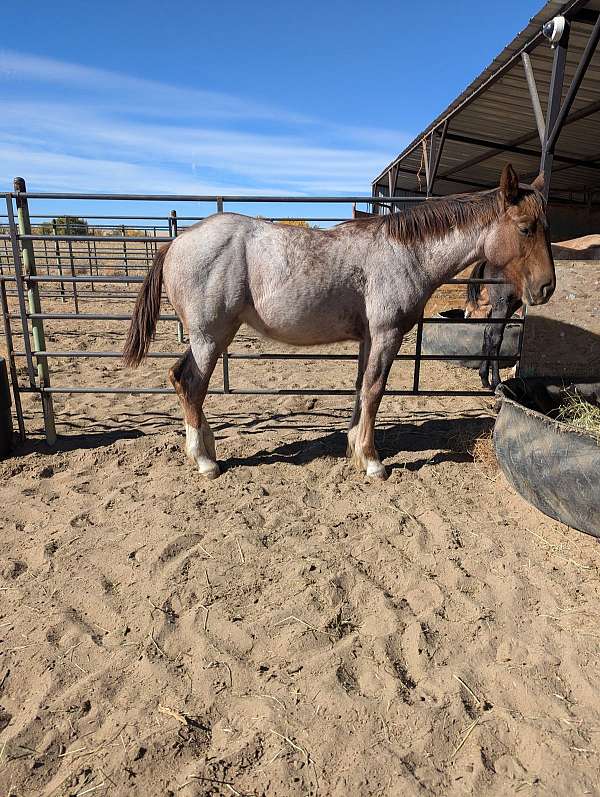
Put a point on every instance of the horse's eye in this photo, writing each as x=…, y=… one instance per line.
x=525, y=230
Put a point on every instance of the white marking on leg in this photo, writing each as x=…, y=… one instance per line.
x=375, y=468
x=196, y=450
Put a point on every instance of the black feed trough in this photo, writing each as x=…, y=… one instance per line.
x=467, y=340
x=553, y=465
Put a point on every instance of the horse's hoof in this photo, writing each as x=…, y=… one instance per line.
x=375, y=470
x=212, y=472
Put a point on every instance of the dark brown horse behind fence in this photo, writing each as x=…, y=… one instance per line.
x=366, y=280
x=491, y=301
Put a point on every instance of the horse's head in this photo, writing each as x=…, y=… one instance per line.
x=518, y=243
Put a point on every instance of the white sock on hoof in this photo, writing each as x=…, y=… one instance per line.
x=375, y=468
x=196, y=450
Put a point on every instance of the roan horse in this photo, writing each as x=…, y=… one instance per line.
x=366, y=280
x=491, y=301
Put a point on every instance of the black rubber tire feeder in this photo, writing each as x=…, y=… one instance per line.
x=553, y=465
x=6, y=427
x=467, y=339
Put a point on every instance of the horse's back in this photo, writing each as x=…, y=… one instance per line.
x=297, y=285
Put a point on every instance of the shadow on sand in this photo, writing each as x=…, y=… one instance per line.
x=450, y=438
x=556, y=348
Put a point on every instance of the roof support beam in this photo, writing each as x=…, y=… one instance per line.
x=554, y=99
x=589, y=51
x=425, y=161
x=436, y=154
x=587, y=16
x=500, y=147
x=572, y=9
x=583, y=113
x=535, y=97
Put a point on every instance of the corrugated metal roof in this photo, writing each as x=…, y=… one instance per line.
x=497, y=108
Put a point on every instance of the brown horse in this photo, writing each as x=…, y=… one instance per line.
x=366, y=280
x=491, y=301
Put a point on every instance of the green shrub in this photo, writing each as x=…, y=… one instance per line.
x=65, y=225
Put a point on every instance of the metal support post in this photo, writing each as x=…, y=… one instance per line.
x=535, y=98
x=554, y=98
x=59, y=261
x=225, y=357
x=33, y=297
x=173, y=233
x=11, y=360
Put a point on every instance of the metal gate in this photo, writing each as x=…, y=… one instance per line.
x=51, y=260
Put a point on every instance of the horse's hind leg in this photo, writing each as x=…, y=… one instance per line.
x=190, y=378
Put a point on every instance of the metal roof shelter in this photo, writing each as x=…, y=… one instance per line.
x=535, y=106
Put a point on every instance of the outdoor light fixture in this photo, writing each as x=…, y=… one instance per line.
x=554, y=29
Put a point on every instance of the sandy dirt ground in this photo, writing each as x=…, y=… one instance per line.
x=290, y=628
x=587, y=247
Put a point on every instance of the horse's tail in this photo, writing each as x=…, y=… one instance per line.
x=146, y=312
x=474, y=288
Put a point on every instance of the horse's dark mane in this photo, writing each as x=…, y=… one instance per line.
x=434, y=218
x=474, y=289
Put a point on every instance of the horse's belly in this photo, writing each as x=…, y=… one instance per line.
x=300, y=325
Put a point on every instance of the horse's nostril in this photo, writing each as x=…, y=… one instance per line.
x=547, y=290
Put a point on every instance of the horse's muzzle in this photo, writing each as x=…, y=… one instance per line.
x=542, y=294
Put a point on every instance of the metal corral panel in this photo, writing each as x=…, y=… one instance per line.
x=497, y=108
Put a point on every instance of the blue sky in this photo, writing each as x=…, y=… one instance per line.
x=231, y=97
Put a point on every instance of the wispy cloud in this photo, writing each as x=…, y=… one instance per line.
x=71, y=127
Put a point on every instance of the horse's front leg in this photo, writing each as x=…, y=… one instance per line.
x=361, y=438
x=489, y=343
x=363, y=353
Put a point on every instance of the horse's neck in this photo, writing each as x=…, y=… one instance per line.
x=443, y=258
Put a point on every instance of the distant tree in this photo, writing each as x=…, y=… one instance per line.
x=66, y=225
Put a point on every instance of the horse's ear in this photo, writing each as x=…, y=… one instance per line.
x=509, y=185
x=538, y=183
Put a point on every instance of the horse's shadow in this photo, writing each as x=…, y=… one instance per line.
x=451, y=438
x=74, y=442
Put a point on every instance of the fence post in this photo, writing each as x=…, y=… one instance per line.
x=59, y=261
x=418, y=347
x=226, y=388
x=72, y=265
x=89, y=250
x=520, y=344
x=14, y=378
x=96, y=257
x=33, y=298
x=173, y=233
x=125, y=253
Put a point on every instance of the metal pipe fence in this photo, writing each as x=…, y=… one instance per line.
x=40, y=262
